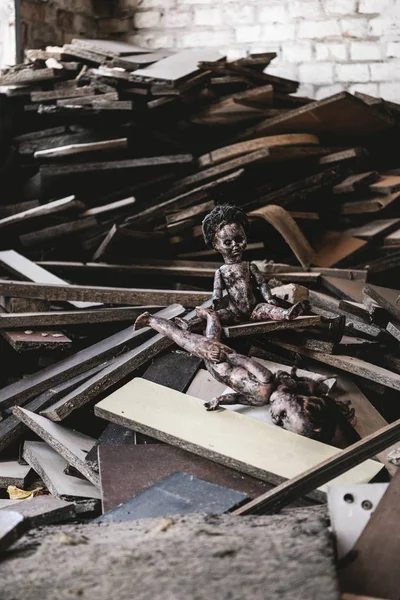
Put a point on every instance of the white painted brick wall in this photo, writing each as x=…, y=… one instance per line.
x=328, y=45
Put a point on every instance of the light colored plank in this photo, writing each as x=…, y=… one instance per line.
x=50, y=466
x=256, y=328
x=71, y=444
x=248, y=445
x=12, y=473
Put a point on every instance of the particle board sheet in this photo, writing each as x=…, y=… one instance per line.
x=178, y=66
x=12, y=473
x=245, y=444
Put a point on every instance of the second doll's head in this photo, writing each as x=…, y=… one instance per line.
x=225, y=230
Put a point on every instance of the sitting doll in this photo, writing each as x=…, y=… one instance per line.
x=297, y=404
x=249, y=296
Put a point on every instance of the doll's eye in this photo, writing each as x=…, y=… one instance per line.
x=283, y=415
x=228, y=242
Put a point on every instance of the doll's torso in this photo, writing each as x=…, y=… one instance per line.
x=238, y=283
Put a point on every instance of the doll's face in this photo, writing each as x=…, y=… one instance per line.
x=286, y=411
x=230, y=241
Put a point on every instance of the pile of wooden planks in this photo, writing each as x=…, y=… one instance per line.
x=111, y=155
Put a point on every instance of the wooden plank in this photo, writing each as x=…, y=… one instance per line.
x=350, y=364
x=388, y=298
x=52, y=208
x=369, y=205
x=174, y=371
x=394, y=330
x=336, y=247
x=127, y=470
x=65, y=92
x=44, y=510
x=11, y=428
x=109, y=47
x=16, y=263
x=12, y=473
x=71, y=444
x=392, y=240
x=51, y=466
x=81, y=361
x=72, y=149
x=58, y=318
x=229, y=152
x=374, y=568
x=374, y=229
x=28, y=76
x=37, y=341
x=267, y=326
x=352, y=117
x=356, y=182
x=387, y=184
x=55, y=234
x=151, y=409
x=106, y=295
x=324, y=471
x=342, y=288
x=179, y=66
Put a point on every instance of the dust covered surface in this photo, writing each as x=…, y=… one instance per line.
x=182, y=558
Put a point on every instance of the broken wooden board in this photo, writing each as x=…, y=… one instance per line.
x=51, y=208
x=12, y=473
x=373, y=569
x=71, y=444
x=388, y=298
x=323, y=472
x=12, y=527
x=73, y=149
x=179, y=493
x=81, y=361
x=147, y=407
x=37, y=341
x=106, y=295
x=44, y=510
x=50, y=466
x=350, y=364
x=16, y=263
x=127, y=470
x=256, y=328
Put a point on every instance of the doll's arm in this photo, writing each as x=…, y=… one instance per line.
x=262, y=284
x=217, y=289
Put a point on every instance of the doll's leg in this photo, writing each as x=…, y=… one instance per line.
x=265, y=311
x=232, y=398
x=191, y=342
x=260, y=372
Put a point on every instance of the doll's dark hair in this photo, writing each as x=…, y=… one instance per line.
x=222, y=215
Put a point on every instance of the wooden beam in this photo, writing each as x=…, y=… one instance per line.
x=268, y=326
x=106, y=295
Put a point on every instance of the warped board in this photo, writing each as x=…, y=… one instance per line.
x=340, y=114
x=228, y=152
x=50, y=466
x=255, y=448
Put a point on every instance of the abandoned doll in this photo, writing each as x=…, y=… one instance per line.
x=248, y=294
x=297, y=404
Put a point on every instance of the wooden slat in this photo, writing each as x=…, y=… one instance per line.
x=268, y=326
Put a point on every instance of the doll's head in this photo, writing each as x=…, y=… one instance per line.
x=225, y=229
x=304, y=407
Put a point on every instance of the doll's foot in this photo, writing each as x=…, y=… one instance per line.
x=212, y=404
x=142, y=321
x=295, y=311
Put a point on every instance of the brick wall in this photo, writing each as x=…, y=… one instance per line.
x=329, y=45
x=56, y=22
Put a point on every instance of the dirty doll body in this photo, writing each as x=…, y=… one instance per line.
x=249, y=296
x=299, y=405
